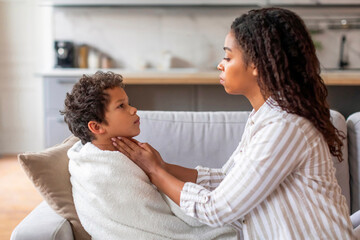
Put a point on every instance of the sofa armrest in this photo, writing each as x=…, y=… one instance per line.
x=43, y=224
x=355, y=219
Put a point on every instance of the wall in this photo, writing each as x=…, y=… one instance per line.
x=193, y=35
x=21, y=114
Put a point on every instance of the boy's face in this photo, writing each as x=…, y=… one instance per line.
x=121, y=118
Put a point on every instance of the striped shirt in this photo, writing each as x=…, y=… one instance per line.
x=278, y=184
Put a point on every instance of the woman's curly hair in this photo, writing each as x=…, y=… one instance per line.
x=277, y=42
x=88, y=101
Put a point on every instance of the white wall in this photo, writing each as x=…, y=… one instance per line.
x=21, y=115
x=195, y=35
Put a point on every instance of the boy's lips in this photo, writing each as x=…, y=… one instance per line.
x=137, y=121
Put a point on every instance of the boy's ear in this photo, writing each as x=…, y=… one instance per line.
x=96, y=128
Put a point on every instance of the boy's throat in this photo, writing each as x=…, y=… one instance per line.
x=104, y=145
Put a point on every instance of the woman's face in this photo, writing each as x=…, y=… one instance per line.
x=236, y=77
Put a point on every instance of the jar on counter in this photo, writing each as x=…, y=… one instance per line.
x=83, y=52
x=93, y=58
x=106, y=61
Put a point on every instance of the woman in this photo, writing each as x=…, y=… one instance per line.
x=280, y=182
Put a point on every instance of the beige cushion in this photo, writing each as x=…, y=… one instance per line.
x=48, y=170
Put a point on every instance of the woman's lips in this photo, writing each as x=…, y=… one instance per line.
x=222, y=81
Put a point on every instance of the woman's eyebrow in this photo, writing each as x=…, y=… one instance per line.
x=227, y=48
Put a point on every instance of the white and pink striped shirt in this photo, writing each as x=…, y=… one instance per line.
x=278, y=184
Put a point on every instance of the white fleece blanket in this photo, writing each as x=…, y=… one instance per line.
x=115, y=200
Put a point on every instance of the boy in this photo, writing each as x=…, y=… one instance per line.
x=113, y=197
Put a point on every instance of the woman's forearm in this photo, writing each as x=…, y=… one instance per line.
x=167, y=183
x=182, y=173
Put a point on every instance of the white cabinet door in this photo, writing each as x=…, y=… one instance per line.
x=56, y=131
x=55, y=89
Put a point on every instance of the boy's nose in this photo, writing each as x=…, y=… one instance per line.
x=133, y=110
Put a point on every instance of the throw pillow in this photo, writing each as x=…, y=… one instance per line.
x=48, y=170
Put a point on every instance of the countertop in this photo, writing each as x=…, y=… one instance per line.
x=190, y=76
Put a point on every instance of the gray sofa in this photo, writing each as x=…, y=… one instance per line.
x=204, y=138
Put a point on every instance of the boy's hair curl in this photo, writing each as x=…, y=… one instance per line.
x=88, y=102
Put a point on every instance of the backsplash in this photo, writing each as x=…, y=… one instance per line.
x=137, y=38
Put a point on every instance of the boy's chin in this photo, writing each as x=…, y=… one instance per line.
x=135, y=134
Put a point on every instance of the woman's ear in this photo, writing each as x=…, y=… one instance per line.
x=96, y=128
x=254, y=72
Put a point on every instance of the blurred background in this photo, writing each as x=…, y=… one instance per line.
x=167, y=52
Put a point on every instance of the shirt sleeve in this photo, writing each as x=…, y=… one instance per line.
x=210, y=178
x=272, y=154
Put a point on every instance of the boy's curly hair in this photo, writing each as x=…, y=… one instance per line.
x=88, y=101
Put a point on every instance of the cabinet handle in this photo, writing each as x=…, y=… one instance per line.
x=66, y=81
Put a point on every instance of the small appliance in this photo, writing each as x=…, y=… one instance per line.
x=65, y=54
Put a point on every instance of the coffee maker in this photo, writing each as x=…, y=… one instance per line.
x=65, y=54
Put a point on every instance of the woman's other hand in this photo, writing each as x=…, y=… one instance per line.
x=142, y=154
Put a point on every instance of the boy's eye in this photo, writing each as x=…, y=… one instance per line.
x=121, y=105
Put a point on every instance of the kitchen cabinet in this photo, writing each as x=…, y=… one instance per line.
x=151, y=2
x=186, y=90
x=55, y=89
x=158, y=96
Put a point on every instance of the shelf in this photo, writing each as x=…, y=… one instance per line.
x=190, y=76
x=152, y=3
x=198, y=3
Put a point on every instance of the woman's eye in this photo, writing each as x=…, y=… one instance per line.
x=226, y=59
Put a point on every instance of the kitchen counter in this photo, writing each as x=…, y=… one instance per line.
x=189, y=76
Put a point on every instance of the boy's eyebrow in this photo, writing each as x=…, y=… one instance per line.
x=120, y=100
x=227, y=48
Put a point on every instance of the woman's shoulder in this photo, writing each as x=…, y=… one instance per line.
x=280, y=118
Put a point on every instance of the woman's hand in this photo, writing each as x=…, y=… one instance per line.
x=143, y=154
x=150, y=161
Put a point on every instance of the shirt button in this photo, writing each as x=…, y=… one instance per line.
x=243, y=221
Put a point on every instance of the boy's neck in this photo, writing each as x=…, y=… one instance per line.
x=104, y=144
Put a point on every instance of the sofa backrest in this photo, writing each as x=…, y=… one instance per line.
x=208, y=139
x=190, y=139
x=353, y=124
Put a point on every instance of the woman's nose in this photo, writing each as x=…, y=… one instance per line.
x=220, y=66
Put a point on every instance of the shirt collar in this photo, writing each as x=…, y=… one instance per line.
x=263, y=110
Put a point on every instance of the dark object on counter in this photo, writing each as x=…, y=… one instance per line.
x=65, y=54
x=343, y=62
